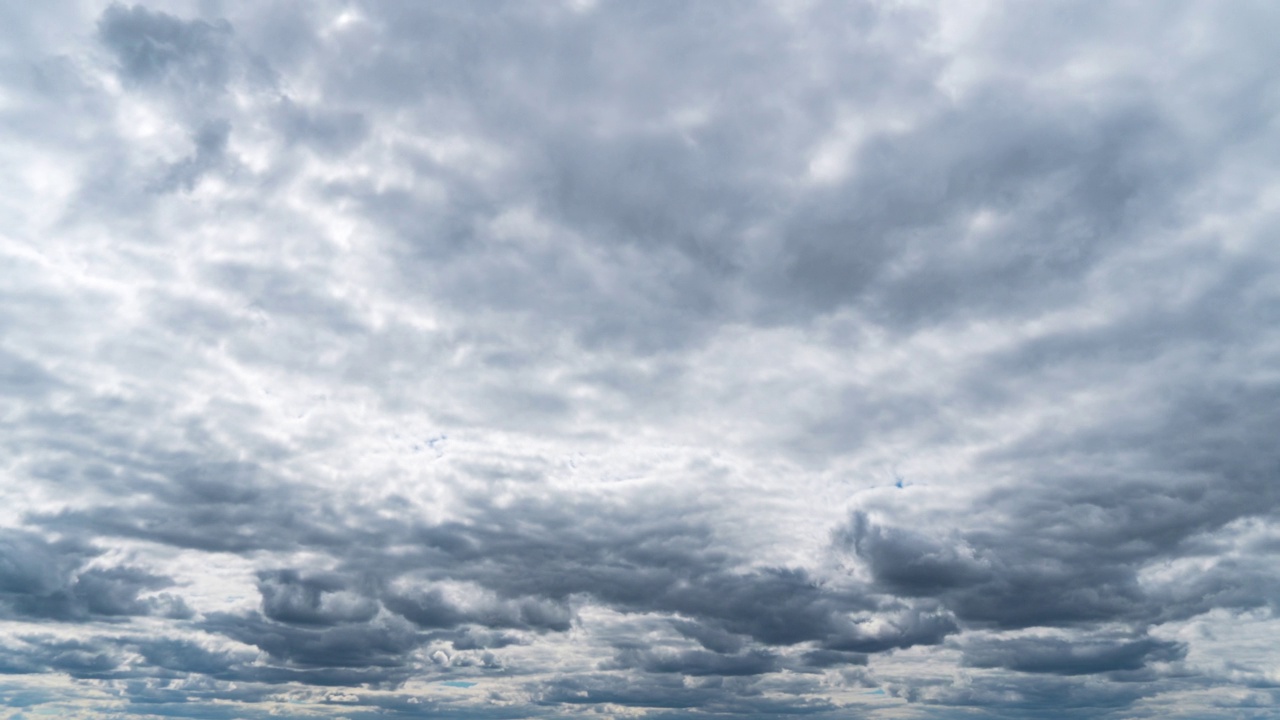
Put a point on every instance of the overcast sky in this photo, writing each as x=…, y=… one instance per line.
x=664, y=359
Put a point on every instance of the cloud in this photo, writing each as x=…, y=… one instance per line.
x=782, y=359
x=81, y=660
x=185, y=656
x=362, y=646
x=430, y=609
x=664, y=694
x=290, y=597
x=211, y=145
x=698, y=663
x=42, y=580
x=1076, y=657
x=155, y=47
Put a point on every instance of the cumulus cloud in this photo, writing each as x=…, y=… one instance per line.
x=536, y=359
x=53, y=581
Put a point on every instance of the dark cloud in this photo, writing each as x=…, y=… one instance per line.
x=890, y=238
x=367, y=645
x=917, y=626
x=184, y=499
x=1038, y=697
x=288, y=596
x=155, y=47
x=1071, y=551
x=832, y=658
x=698, y=663
x=429, y=609
x=81, y=660
x=710, y=638
x=631, y=560
x=43, y=580
x=1071, y=657
x=185, y=656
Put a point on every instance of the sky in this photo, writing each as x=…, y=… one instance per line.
x=486, y=360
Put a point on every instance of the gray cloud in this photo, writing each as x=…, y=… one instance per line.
x=211, y=144
x=322, y=599
x=1076, y=657
x=698, y=663
x=42, y=580
x=156, y=47
x=527, y=360
x=365, y=646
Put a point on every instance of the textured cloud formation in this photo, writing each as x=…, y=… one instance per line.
x=509, y=360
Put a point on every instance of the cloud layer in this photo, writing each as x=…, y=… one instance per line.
x=538, y=360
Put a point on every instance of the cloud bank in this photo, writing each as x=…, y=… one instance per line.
x=515, y=360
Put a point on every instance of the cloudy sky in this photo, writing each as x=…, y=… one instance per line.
x=639, y=359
